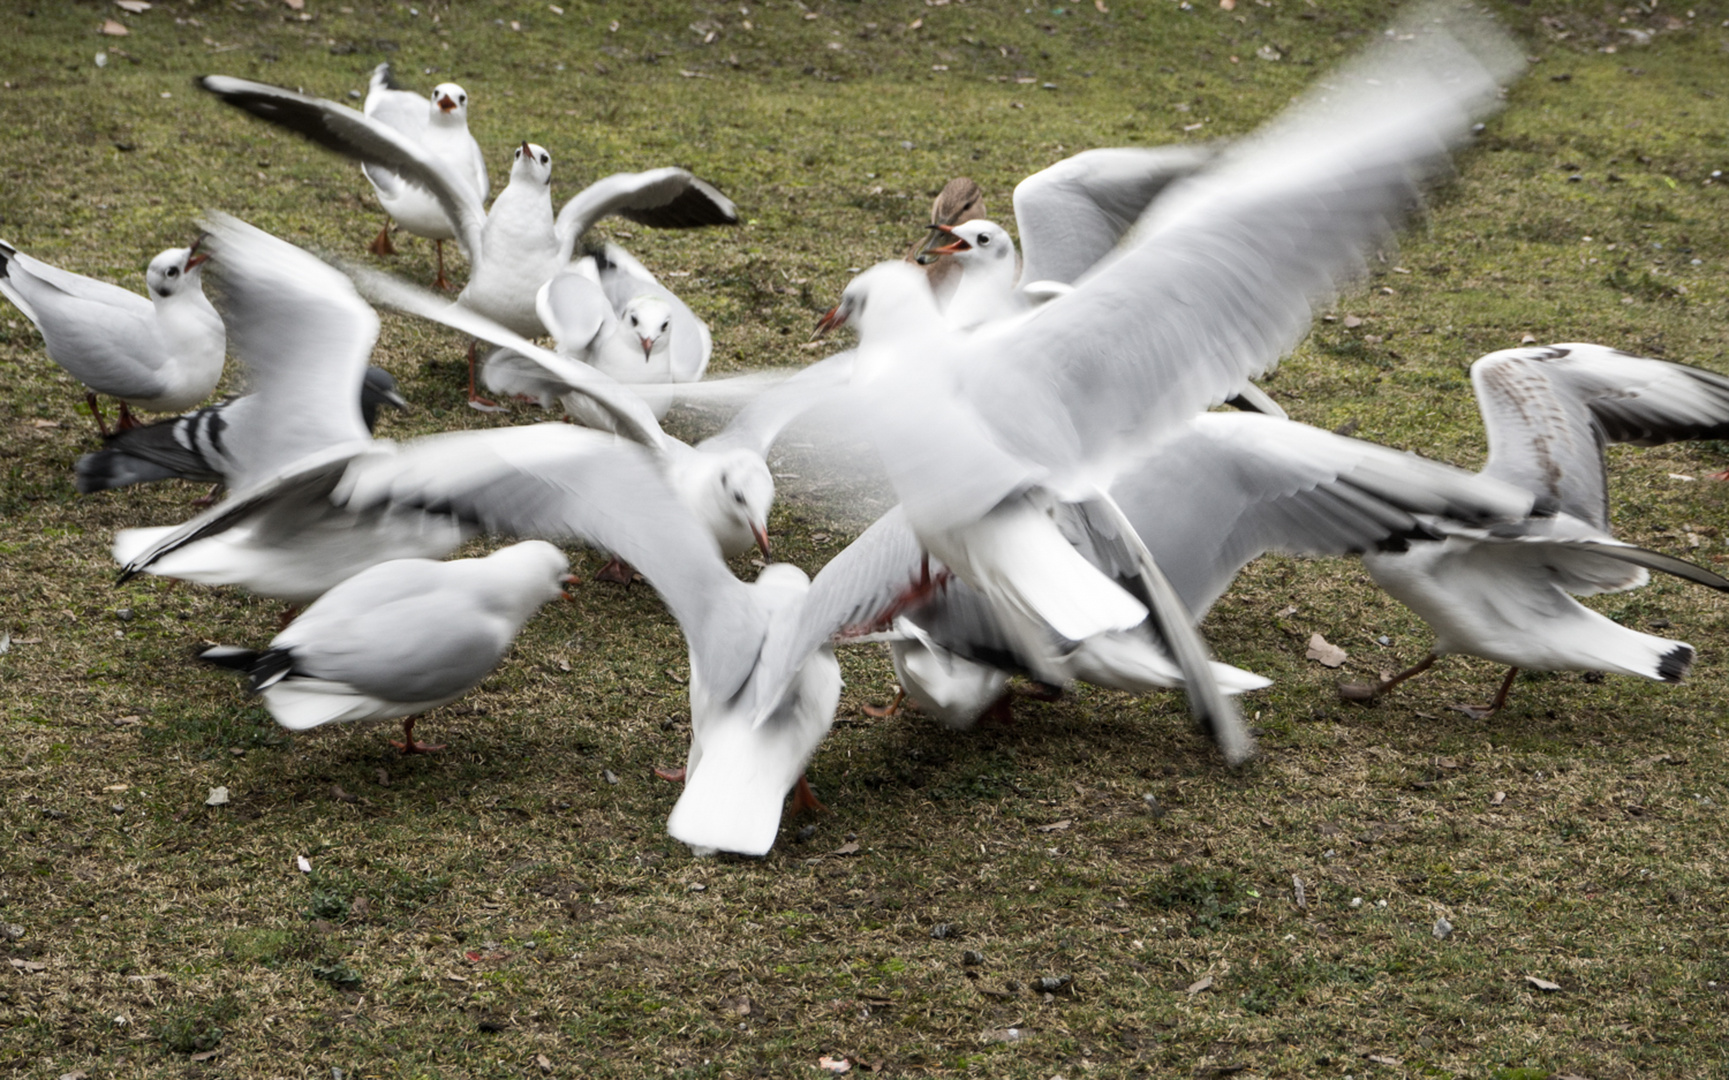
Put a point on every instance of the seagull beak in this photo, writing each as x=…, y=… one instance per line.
x=954, y=247
x=761, y=536
x=924, y=256
x=831, y=319
x=396, y=400
x=446, y=104
x=194, y=257
x=647, y=347
x=525, y=150
x=568, y=579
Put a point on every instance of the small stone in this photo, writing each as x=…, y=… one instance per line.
x=218, y=797
x=124, y=614
x=609, y=776
x=805, y=833
x=969, y=958
x=11, y=931
x=942, y=931
x=1356, y=902
x=1052, y=984
x=1153, y=806
x=1442, y=929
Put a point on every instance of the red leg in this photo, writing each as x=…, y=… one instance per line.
x=671, y=776
x=475, y=401
x=893, y=708
x=439, y=282
x=804, y=800
x=1483, y=712
x=409, y=745
x=96, y=411
x=127, y=420
x=381, y=244
x=911, y=597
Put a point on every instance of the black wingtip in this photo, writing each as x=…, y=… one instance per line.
x=1675, y=664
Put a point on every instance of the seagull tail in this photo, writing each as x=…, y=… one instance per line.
x=264, y=668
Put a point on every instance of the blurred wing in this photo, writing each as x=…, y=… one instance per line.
x=368, y=141
x=305, y=338
x=1229, y=487
x=575, y=309
x=1072, y=214
x=562, y=483
x=668, y=198
x=398, y=109
x=635, y=421
x=1549, y=411
x=760, y=423
x=1223, y=278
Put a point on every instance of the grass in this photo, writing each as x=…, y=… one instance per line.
x=505, y=910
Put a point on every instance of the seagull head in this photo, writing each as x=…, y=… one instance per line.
x=170, y=272
x=531, y=163
x=973, y=241
x=877, y=300
x=743, y=494
x=450, y=101
x=524, y=575
x=649, y=319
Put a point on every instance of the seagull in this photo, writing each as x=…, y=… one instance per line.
x=517, y=247
x=1548, y=412
x=194, y=446
x=440, y=127
x=316, y=500
x=163, y=353
x=400, y=639
x=724, y=481
x=960, y=200
x=994, y=439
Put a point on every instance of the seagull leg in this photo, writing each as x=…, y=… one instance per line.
x=671, y=776
x=96, y=411
x=882, y=712
x=381, y=244
x=439, y=282
x=127, y=420
x=1483, y=712
x=475, y=401
x=410, y=745
x=1370, y=691
x=804, y=800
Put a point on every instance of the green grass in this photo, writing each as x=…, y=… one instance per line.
x=470, y=914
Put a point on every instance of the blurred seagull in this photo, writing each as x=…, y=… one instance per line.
x=994, y=438
x=1548, y=412
x=163, y=353
x=315, y=500
x=400, y=639
x=195, y=446
x=440, y=127
x=517, y=247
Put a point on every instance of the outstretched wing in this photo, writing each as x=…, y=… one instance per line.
x=667, y=198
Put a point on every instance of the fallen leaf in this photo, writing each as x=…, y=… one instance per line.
x=1500, y=797
x=136, y=7
x=1446, y=763
x=1227, y=5
x=297, y=5
x=1205, y=982
x=79, y=1075
x=219, y=797
x=1385, y=1059
x=1541, y=984
x=738, y=1006
x=208, y=1054
x=340, y=795
x=114, y=29
x=542, y=1060
x=1352, y=322
x=1100, y=4
x=118, y=787
x=1285, y=612
x=29, y=967
x=44, y=423
x=303, y=864
x=848, y=848
x=1003, y=1035
x=1326, y=652
x=1056, y=826
x=834, y=1065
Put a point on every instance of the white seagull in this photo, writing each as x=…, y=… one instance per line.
x=517, y=247
x=400, y=639
x=985, y=436
x=163, y=353
x=1548, y=412
x=440, y=126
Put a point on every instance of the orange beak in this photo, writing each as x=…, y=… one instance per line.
x=194, y=257
x=761, y=535
x=568, y=579
x=445, y=104
x=954, y=247
x=831, y=319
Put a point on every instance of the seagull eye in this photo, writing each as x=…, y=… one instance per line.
x=633, y=320
x=544, y=159
x=462, y=99
x=664, y=325
x=984, y=241
x=173, y=271
x=738, y=497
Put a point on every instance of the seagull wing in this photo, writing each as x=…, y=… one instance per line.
x=624, y=279
x=1072, y=214
x=667, y=198
x=364, y=139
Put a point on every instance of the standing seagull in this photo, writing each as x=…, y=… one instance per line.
x=1549, y=411
x=163, y=354
x=400, y=639
x=517, y=247
x=440, y=126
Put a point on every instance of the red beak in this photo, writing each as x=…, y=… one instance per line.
x=761, y=535
x=193, y=256
x=526, y=152
x=445, y=104
x=831, y=319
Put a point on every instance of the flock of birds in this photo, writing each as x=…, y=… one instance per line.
x=1069, y=508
